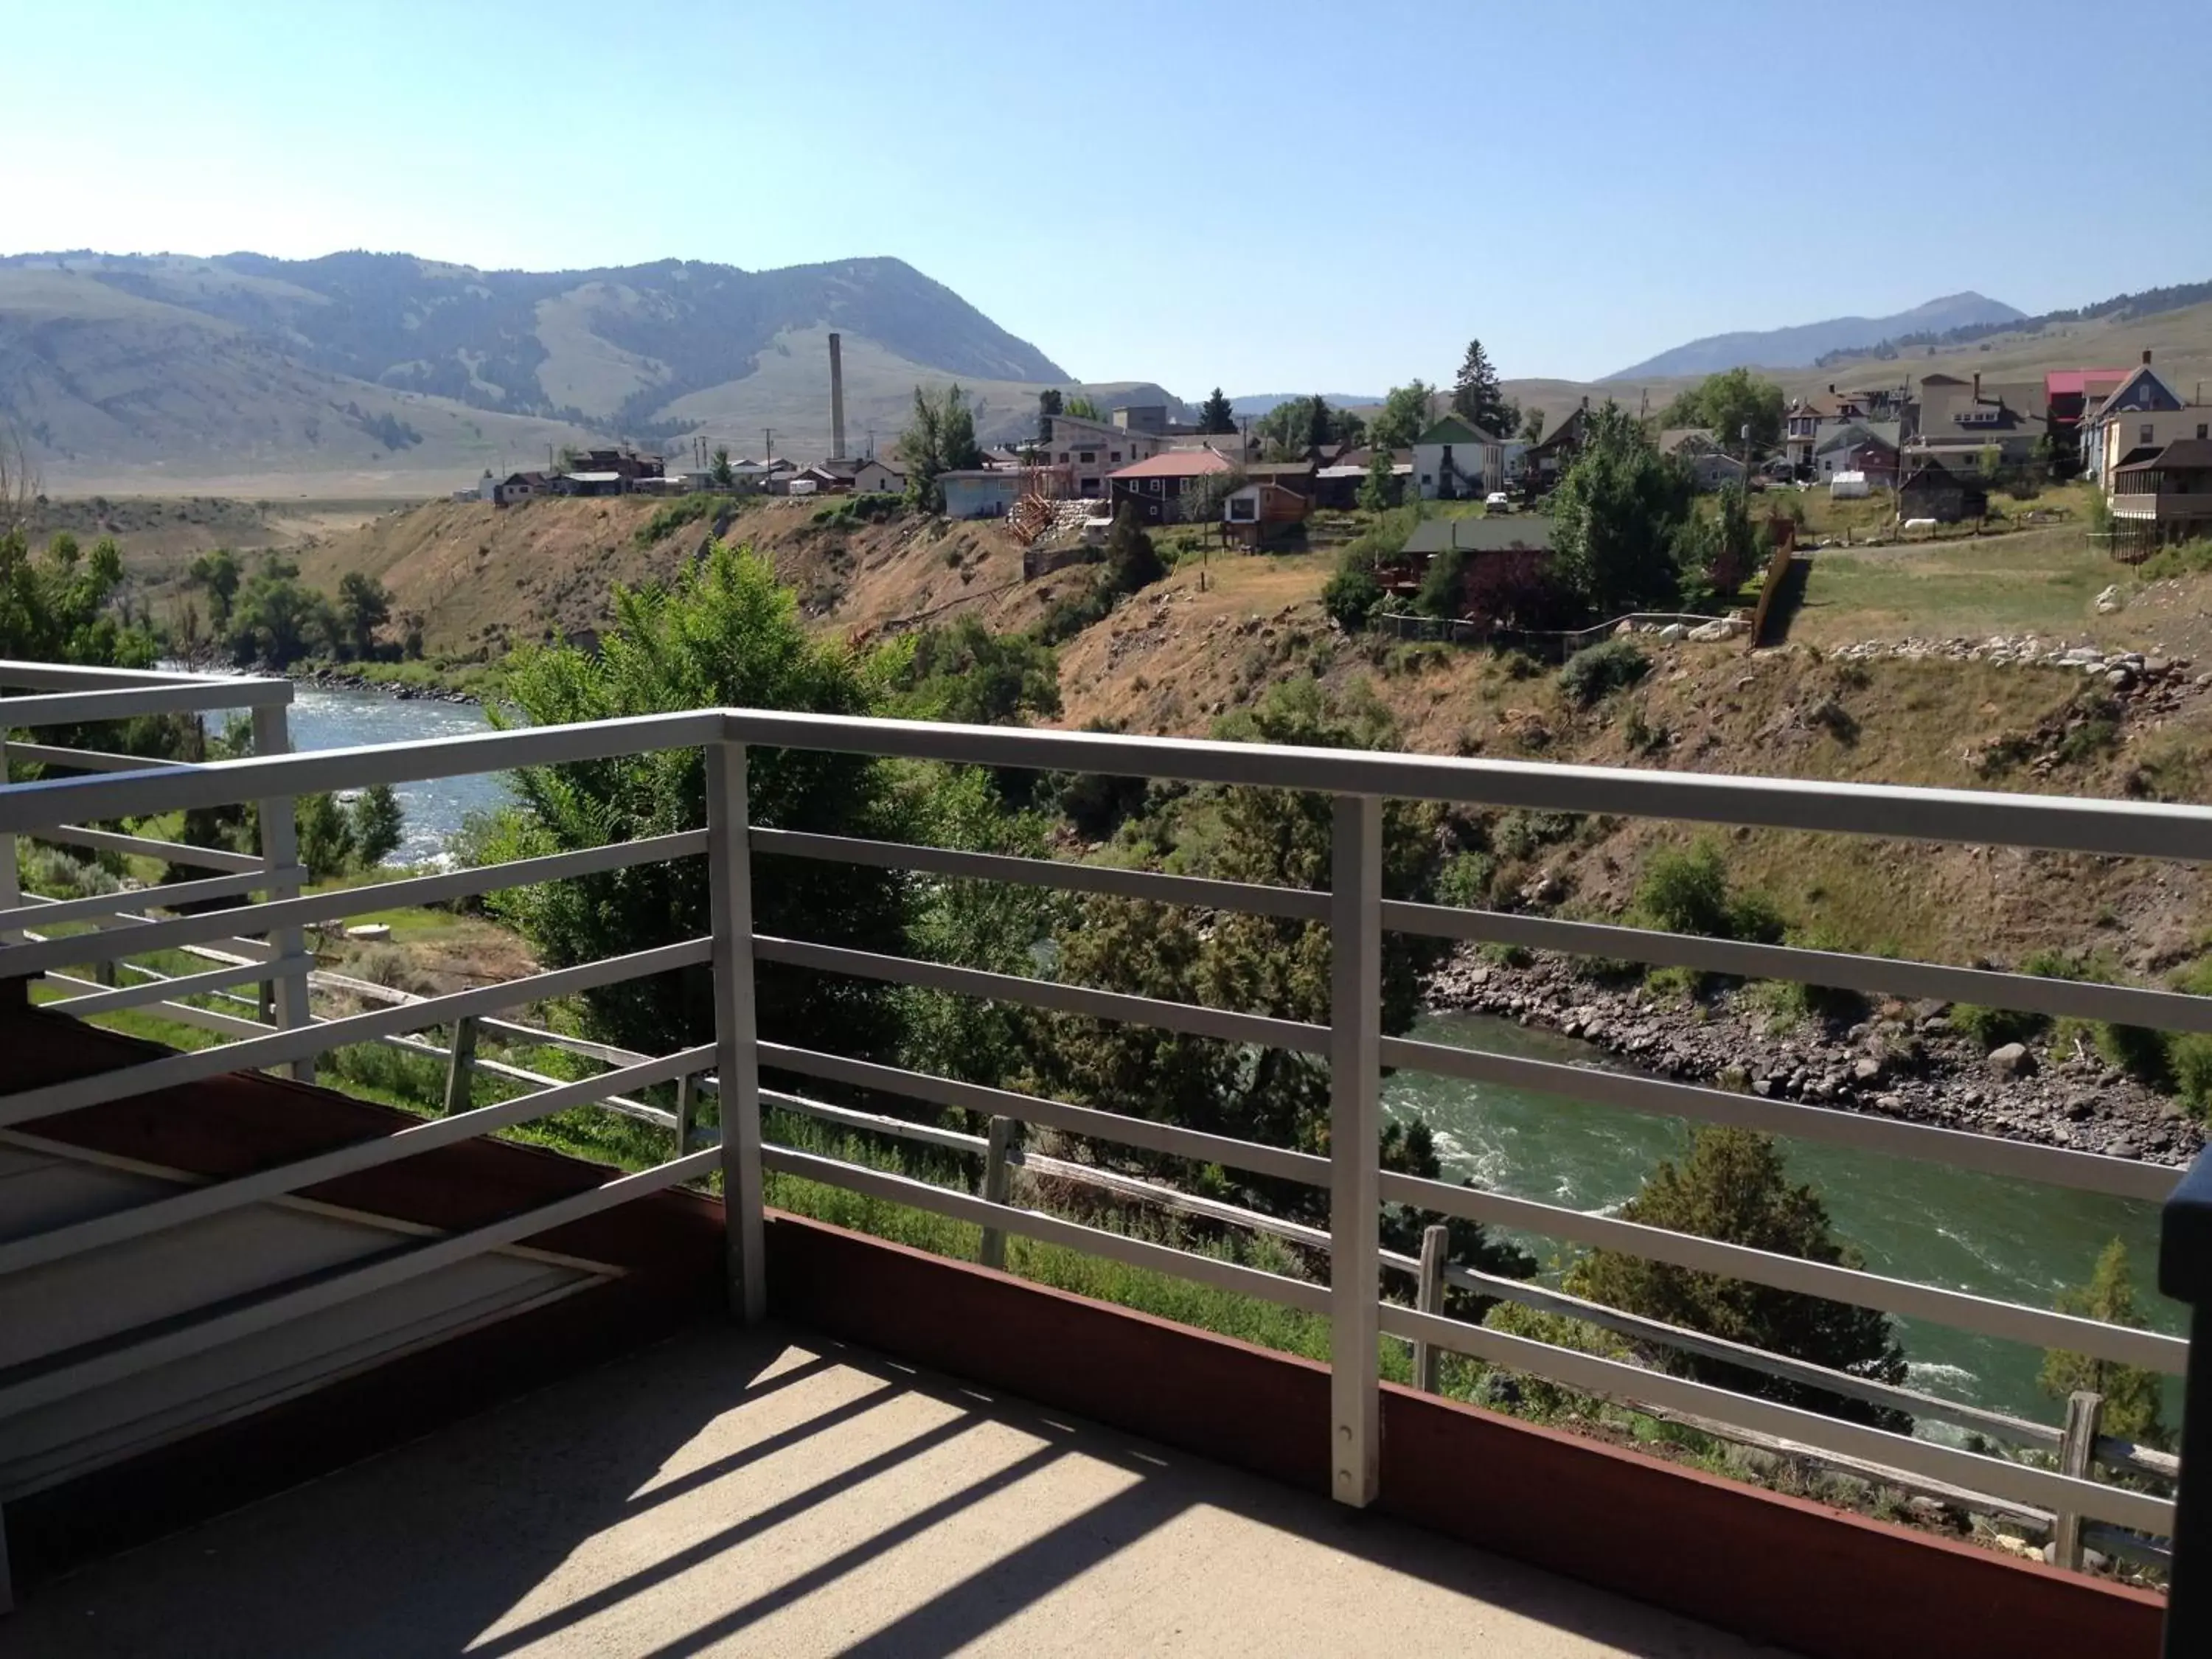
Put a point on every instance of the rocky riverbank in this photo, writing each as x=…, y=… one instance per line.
x=1901, y=1061
x=337, y=679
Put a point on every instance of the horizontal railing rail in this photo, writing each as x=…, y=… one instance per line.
x=266, y=932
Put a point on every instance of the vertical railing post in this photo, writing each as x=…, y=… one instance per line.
x=995, y=1173
x=729, y=856
x=7, y=1582
x=2077, y=1451
x=11, y=889
x=1429, y=1298
x=1355, y=1132
x=2185, y=1272
x=285, y=992
x=687, y=1110
x=460, y=1066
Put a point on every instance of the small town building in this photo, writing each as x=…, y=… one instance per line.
x=1867, y=447
x=1455, y=460
x=1093, y=450
x=1338, y=484
x=1262, y=511
x=1551, y=454
x=1938, y=493
x=2167, y=497
x=592, y=484
x=2140, y=416
x=1158, y=488
x=990, y=492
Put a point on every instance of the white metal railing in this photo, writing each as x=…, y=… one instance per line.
x=1352, y=1042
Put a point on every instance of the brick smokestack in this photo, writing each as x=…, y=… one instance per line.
x=837, y=399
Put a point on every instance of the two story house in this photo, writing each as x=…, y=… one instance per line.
x=2141, y=416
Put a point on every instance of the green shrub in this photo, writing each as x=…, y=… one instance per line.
x=1598, y=671
x=2190, y=1057
x=1520, y=834
x=1351, y=596
x=2138, y=1050
x=671, y=516
x=846, y=510
x=1464, y=880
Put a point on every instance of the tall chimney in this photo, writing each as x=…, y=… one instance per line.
x=1977, y=385
x=2146, y=357
x=837, y=400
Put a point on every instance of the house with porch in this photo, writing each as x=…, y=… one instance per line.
x=2141, y=416
x=2165, y=497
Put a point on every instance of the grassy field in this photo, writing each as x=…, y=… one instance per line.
x=2036, y=581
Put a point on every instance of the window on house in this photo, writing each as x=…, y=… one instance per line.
x=1243, y=507
x=1152, y=486
x=1089, y=458
x=2144, y=434
x=1115, y=456
x=1425, y=479
x=2203, y=430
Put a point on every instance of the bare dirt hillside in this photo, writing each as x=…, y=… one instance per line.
x=483, y=578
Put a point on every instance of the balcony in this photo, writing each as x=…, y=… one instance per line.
x=2164, y=505
x=216, y=1281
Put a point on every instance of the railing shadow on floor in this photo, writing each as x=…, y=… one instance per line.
x=470, y=1540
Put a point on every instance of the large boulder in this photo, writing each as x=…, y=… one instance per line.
x=2012, y=1060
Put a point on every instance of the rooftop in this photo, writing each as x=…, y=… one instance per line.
x=1177, y=463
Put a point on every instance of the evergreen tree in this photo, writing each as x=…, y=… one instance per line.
x=1215, y=415
x=721, y=473
x=2134, y=1397
x=1733, y=1187
x=1476, y=396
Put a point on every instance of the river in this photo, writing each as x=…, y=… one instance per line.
x=2019, y=1240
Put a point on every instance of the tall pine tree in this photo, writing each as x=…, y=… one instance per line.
x=1475, y=396
x=1215, y=415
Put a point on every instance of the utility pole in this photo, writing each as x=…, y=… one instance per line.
x=768, y=443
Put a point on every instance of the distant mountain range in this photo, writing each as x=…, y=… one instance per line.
x=1801, y=346
x=387, y=363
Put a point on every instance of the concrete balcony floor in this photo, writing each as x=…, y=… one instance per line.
x=760, y=1492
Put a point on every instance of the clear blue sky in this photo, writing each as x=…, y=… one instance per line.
x=1295, y=197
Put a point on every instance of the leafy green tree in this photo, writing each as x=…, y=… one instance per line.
x=1404, y=415
x=940, y=439
x=1728, y=402
x=1615, y=516
x=1476, y=396
x=967, y=674
x=1378, y=490
x=1215, y=415
x=276, y=621
x=217, y=576
x=2134, y=1397
x=725, y=635
x=1351, y=595
x=1049, y=404
x=1733, y=1186
x=1298, y=424
x=1083, y=407
x=1988, y=463
x=1264, y=964
x=1532, y=426
x=378, y=825
x=61, y=604
x=1718, y=551
x=720, y=472
x=363, y=607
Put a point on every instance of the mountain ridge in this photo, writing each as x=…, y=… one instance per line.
x=358, y=361
x=1800, y=345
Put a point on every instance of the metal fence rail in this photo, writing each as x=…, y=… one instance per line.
x=1351, y=1044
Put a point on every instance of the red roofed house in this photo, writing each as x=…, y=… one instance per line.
x=1157, y=487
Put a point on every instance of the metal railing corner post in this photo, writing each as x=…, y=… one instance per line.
x=736, y=1036
x=286, y=992
x=7, y=1582
x=11, y=889
x=2185, y=1272
x=1429, y=1298
x=1355, y=1121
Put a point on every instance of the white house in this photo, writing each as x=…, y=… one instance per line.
x=1455, y=460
